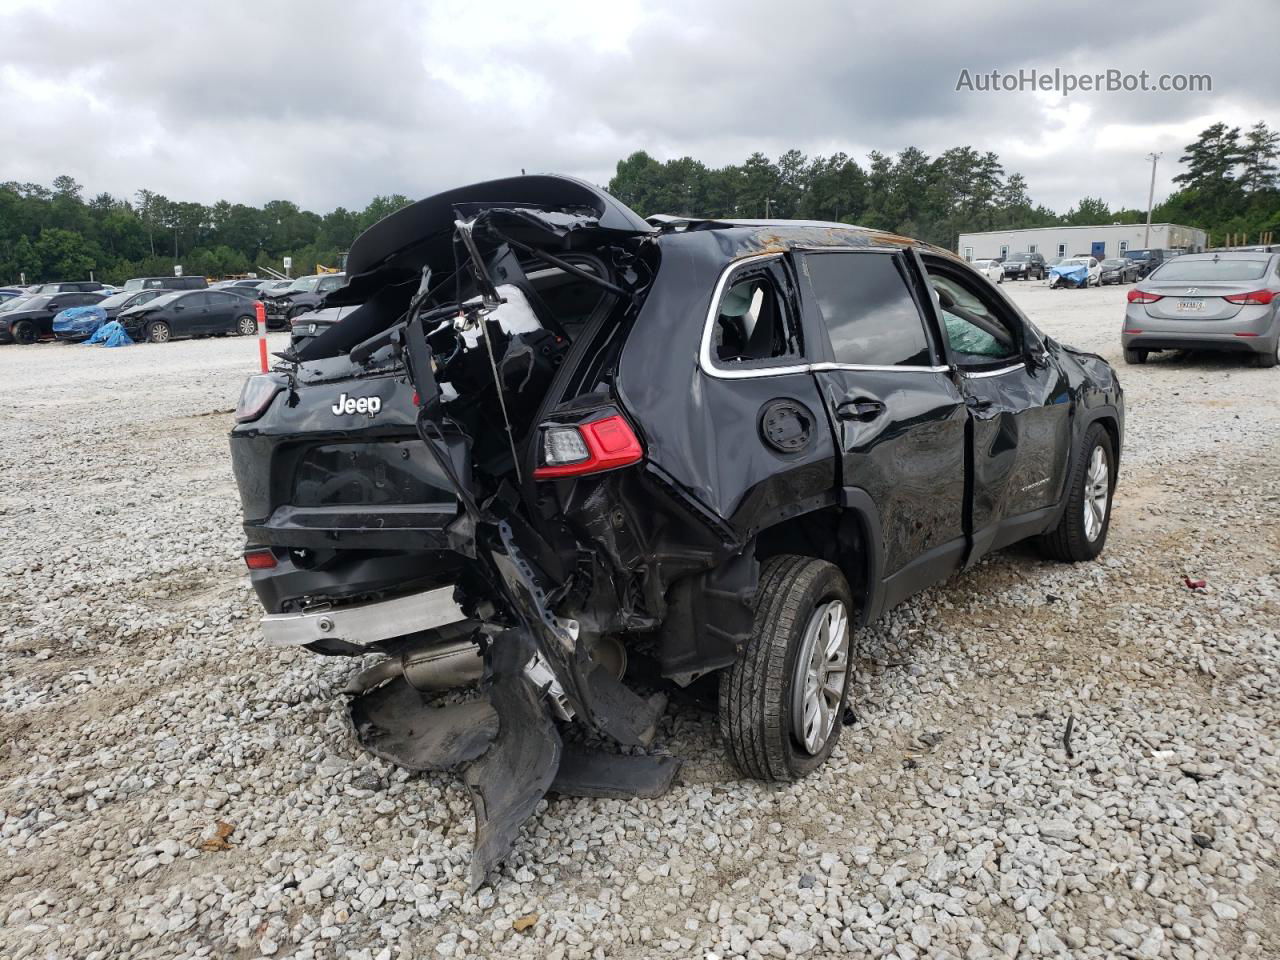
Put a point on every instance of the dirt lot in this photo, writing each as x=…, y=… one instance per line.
x=169, y=787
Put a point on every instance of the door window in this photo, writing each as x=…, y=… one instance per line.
x=194, y=301
x=977, y=330
x=753, y=322
x=329, y=284
x=868, y=309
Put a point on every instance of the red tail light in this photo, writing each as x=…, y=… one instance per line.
x=1257, y=297
x=1144, y=296
x=260, y=558
x=573, y=451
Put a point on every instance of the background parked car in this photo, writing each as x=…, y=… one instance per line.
x=248, y=283
x=1148, y=260
x=28, y=319
x=991, y=269
x=166, y=283
x=307, y=326
x=1025, y=266
x=1066, y=270
x=65, y=328
x=302, y=296
x=8, y=293
x=1119, y=270
x=190, y=313
x=1206, y=301
x=69, y=286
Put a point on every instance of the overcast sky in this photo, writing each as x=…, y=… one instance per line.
x=325, y=103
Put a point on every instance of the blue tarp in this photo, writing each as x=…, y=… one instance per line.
x=1075, y=275
x=111, y=335
x=79, y=321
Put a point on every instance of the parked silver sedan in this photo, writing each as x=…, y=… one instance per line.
x=1207, y=301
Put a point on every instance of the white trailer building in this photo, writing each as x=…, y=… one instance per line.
x=1111, y=240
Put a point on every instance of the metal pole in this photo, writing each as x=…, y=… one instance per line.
x=1151, y=194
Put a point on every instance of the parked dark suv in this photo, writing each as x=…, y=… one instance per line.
x=69, y=286
x=166, y=283
x=1025, y=266
x=608, y=455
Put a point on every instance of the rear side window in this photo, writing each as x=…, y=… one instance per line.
x=871, y=317
x=753, y=321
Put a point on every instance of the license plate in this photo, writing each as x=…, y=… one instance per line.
x=1190, y=306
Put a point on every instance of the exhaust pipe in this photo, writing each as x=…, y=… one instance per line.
x=452, y=664
x=439, y=666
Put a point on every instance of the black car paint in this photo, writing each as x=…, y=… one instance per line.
x=188, y=313
x=36, y=315
x=948, y=465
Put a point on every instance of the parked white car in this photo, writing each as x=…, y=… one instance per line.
x=991, y=269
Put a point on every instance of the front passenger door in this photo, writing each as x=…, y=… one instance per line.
x=222, y=311
x=897, y=417
x=1020, y=404
x=193, y=318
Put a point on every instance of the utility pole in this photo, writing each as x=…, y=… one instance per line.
x=767, y=201
x=1151, y=194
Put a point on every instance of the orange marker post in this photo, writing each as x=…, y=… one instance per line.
x=261, y=315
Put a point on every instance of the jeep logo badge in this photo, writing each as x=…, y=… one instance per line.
x=349, y=405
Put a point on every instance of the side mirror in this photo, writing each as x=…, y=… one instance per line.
x=178, y=306
x=55, y=306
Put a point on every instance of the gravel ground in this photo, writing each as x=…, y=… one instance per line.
x=168, y=787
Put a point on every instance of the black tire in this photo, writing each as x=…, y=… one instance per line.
x=24, y=332
x=1269, y=359
x=159, y=332
x=1135, y=356
x=246, y=326
x=756, y=692
x=1069, y=541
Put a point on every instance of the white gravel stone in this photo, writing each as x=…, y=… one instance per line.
x=143, y=712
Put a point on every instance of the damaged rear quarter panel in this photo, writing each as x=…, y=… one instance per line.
x=703, y=432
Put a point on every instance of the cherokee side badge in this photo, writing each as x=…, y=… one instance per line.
x=349, y=405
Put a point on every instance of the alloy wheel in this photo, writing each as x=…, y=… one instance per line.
x=248, y=326
x=818, y=682
x=1096, y=487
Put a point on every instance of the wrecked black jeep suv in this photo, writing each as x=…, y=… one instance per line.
x=557, y=457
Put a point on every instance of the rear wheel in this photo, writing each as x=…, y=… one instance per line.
x=246, y=326
x=159, y=332
x=24, y=331
x=782, y=702
x=1081, y=533
x=1132, y=355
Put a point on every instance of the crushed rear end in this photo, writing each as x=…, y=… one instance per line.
x=446, y=477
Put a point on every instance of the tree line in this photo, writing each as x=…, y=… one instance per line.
x=1227, y=184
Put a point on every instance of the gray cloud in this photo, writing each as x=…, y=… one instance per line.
x=328, y=102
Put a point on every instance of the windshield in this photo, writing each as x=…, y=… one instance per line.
x=1186, y=269
x=1113, y=263
x=1077, y=262
x=1019, y=258
x=17, y=303
x=304, y=284
x=1138, y=254
x=163, y=298
x=135, y=284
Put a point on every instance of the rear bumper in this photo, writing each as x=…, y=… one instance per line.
x=1220, y=342
x=363, y=624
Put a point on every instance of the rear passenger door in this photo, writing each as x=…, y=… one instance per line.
x=896, y=415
